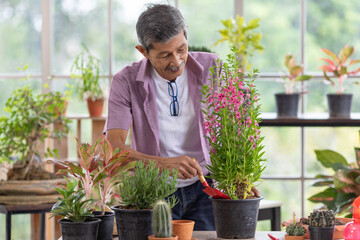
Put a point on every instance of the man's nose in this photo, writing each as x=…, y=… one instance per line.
x=176, y=60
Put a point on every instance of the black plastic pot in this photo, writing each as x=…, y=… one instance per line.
x=235, y=219
x=87, y=230
x=339, y=105
x=106, y=226
x=133, y=224
x=287, y=105
x=321, y=233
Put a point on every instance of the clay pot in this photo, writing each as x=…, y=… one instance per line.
x=183, y=229
x=95, y=107
x=287, y=237
x=152, y=237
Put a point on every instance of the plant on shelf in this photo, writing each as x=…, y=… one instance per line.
x=139, y=192
x=87, y=67
x=295, y=229
x=340, y=103
x=342, y=187
x=29, y=121
x=294, y=74
x=75, y=210
x=287, y=103
x=321, y=224
x=338, y=65
x=240, y=34
x=232, y=128
x=161, y=221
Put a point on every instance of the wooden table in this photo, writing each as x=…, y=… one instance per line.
x=8, y=210
x=260, y=235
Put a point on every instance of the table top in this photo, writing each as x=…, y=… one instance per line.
x=28, y=208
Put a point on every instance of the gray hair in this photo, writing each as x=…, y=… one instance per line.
x=159, y=24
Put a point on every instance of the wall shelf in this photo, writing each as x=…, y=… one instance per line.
x=310, y=120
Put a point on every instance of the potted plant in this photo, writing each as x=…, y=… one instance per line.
x=139, y=192
x=295, y=231
x=339, y=103
x=321, y=224
x=23, y=130
x=161, y=222
x=231, y=126
x=87, y=67
x=99, y=168
x=77, y=221
x=240, y=34
x=287, y=103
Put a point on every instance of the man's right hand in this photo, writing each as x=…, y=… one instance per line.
x=187, y=167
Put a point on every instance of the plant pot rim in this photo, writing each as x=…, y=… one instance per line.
x=234, y=200
x=336, y=94
x=283, y=93
x=107, y=213
x=118, y=207
x=88, y=220
x=321, y=227
x=182, y=221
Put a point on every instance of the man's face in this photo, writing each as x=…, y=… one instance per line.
x=168, y=58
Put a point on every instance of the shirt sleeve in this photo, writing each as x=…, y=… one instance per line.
x=119, y=106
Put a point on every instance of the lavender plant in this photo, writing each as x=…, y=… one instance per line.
x=232, y=128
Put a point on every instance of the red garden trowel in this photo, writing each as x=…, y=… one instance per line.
x=213, y=192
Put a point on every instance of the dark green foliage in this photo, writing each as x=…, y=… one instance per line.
x=161, y=219
x=342, y=187
x=147, y=185
x=295, y=230
x=29, y=123
x=321, y=218
x=199, y=49
x=72, y=205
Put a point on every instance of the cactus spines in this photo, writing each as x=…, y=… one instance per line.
x=321, y=218
x=161, y=219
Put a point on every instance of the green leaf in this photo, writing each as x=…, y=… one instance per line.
x=331, y=159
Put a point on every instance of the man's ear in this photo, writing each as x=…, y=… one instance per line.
x=142, y=50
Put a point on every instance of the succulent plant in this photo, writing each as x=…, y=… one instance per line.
x=161, y=219
x=295, y=229
x=321, y=218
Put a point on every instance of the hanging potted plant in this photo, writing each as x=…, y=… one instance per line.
x=87, y=67
x=287, y=103
x=99, y=171
x=339, y=104
x=241, y=35
x=236, y=153
x=77, y=221
x=161, y=222
x=23, y=130
x=138, y=193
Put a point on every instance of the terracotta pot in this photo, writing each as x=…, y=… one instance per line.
x=287, y=237
x=183, y=229
x=95, y=107
x=152, y=237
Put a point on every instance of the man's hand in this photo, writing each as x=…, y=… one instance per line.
x=187, y=167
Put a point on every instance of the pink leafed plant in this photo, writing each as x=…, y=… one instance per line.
x=294, y=74
x=99, y=167
x=232, y=128
x=338, y=66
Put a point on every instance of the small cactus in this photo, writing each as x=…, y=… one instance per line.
x=161, y=219
x=321, y=218
x=295, y=229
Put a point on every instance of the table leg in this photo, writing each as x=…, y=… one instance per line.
x=275, y=222
x=8, y=226
x=42, y=226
